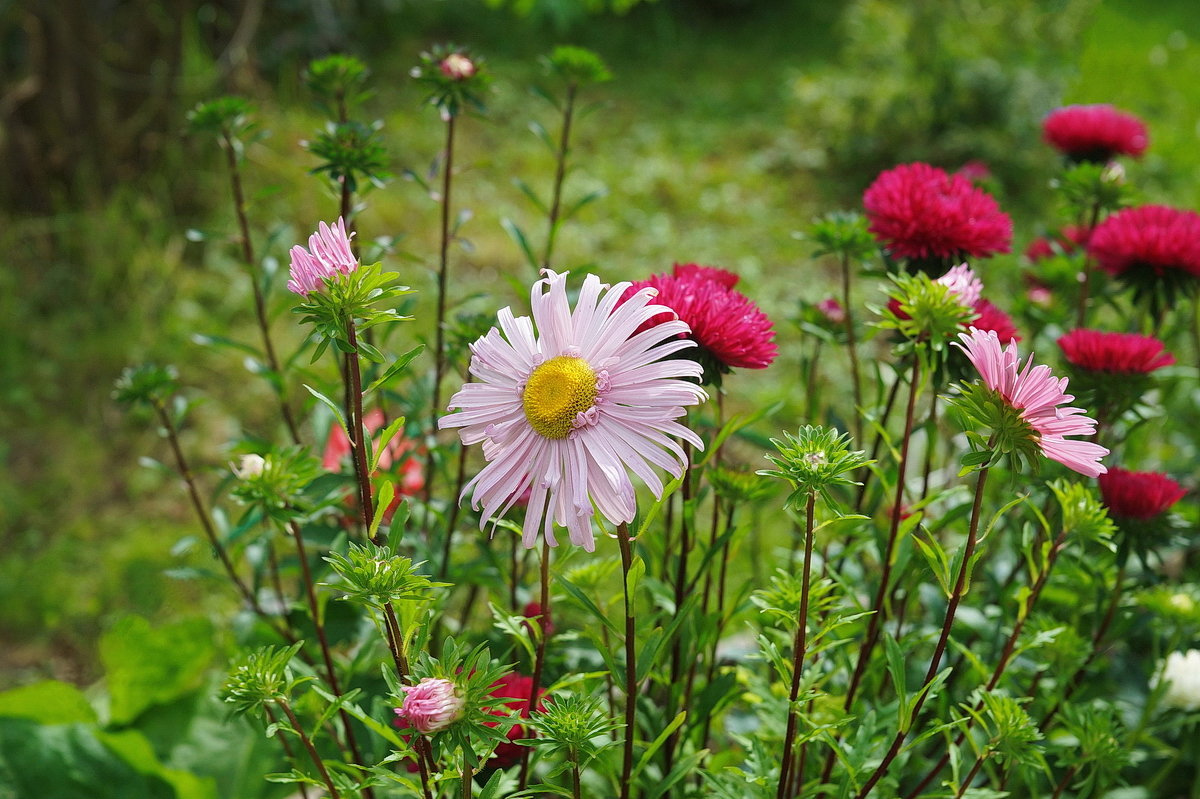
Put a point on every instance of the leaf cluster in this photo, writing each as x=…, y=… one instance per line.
x=351, y=152
x=814, y=460
x=261, y=677
x=350, y=299
x=373, y=576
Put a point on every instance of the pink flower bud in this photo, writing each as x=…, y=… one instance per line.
x=457, y=66
x=430, y=705
x=832, y=310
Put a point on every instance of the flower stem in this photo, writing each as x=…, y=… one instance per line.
x=631, y=682
x=539, y=660
x=260, y=304
x=356, y=434
x=287, y=751
x=460, y=479
x=308, y=745
x=468, y=777
x=559, y=174
x=439, y=349
x=940, y=649
x=966, y=783
x=323, y=640
x=209, y=531
x=575, y=779
x=1002, y=664
x=799, y=650
x=852, y=348
x=1086, y=287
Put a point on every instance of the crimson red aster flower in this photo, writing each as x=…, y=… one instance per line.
x=729, y=328
x=714, y=273
x=1153, y=248
x=1094, y=133
x=935, y=220
x=1118, y=353
x=1069, y=239
x=514, y=689
x=1138, y=495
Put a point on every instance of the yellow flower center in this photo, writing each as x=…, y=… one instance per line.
x=557, y=391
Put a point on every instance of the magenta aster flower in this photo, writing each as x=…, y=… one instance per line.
x=566, y=412
x=1036, y=396
x=328, y=255
x=731, y=330
x=1116, y=353
x=1154, y=249
x=1094, y=133
x=431, y=705
x=715, y=274
x=918, y=212
x=1138, y=495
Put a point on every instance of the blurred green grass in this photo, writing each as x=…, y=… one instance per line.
x=706, y=153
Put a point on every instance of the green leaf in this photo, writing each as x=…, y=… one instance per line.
x=386, y=493
x=532, y=195
x=636, y=569
x=657, y=744
x=395, y=369
x=48, y=702
x=333, y=406
x=511, y=228
x=588, y=605
x=147, y=666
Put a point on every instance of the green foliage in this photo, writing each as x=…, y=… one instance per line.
x=338, y=82
x=261, y=677
x=845, y=235
x=577, y=66
x=228, y=118
x=926, y=312
x=352, y=299
x=147, y=665
x=575, y=727
x=146, y=385
x=814, y=460
x=373, y=576
x=1088, y=192
x=1005, y=432
x=278, y=484
x=351, y=152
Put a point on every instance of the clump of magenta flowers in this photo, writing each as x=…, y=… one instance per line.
x=588, y=589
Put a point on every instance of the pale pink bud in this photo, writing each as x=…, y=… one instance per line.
x=457, y=66
x=430, y=705
x=832, y=310
x=249, y=466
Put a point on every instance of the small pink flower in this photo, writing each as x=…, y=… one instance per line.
x=963, y=283
x=832, y=310
x=457, y=66
x=1036, y=395
x=431, y=705
x=328, y=255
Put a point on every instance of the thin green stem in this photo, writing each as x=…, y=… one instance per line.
x=539, y=661
x=308, y=746
x=940, y=649
x=631, y=682
x=799, y=650
x=439, y=350
x=260, y=304
x=852, y=349
x=559, y=174
x=210, y=532
x=361, y=472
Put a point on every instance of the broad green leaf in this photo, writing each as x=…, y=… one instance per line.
x=47, y=702
x=147, y=666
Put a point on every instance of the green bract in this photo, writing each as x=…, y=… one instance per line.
x=148, y=384
x=815, y=460
x=261, y=677
x=577, y=66
x=348, y=297
x=224, y=116
x=372, y=576
x=452, y=95
x=338, y=81
x=844, y=234
x=278, y=487
x=935, y=314
x=577, y=727
x=350, y=152
x=984, y=409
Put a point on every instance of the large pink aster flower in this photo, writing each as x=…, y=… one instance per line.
x=729, y=327
x=328, y=255
x=919, y=212
x=570, y=402
x=714, y=273
x=1094, y=132
x=1036, y=395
